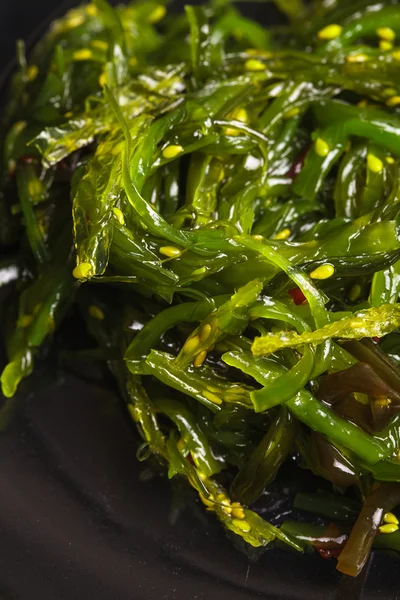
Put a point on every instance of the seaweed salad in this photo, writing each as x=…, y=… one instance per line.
x=217, y=203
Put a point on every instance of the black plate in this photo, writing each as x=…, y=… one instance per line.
x=77, y=521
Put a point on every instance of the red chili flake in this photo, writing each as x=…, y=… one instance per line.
x=376, y=340
x=297, y=296
x=329, y=552
x=298, y=165
x=28, y=159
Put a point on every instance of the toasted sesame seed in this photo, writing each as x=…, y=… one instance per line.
x=200, y=358
x=321, y=147
x=82, y=271
x=91, y=10
x=357, y=58
x=74, y=21
x=157, y=14
x=237, y=510
x=170, y=251
x=386, y=33
x=254, y=65
x=330, y=32
x=83, y=54
x=393, y=101
x=199, y=271
x=389, y=528
x=291, y=113
x=323, y=272
x=205, y=332
x=99, y=44
x=231, y=131
x=212, y=397
x=391, y=518
x=119, y=215
x=385, y=46
x=283, y=235
x=240, y=114
x=191, y=345
x=374, y=163
x=172, y=151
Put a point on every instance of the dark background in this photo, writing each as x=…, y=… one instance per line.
x=19, y=19
x=76, y=523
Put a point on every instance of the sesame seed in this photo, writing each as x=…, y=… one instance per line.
x=99, y=44
x=283, y=235
x=119, y=215
x=386, y=33
x=212, y=397
x=389, y=528
x=91, y=10
x=330, y=32
x=157, y=14
x=231, y=131
x=385, y=46
x=357, y=58
x=172, y=151
x=74, y=21
x=83, y=54
x=394, y=101
x=374, y=163
x=199, y=271
x=293, y=112
x=200, y=358
x=240, y=114
x=391, y=518
x=205, y=332
x=254, y=65
x=323, y=272
x=222, y=497
x=321, y=147
x=237, y=510
x=82, y=271
x=191, y=345
x=170, y=251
